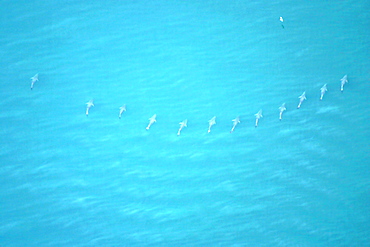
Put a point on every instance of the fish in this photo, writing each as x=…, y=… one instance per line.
x=152, y=120
x=282, y=108
x=343, y=81
x=301, y=99
x=34, y=79
x=121, y=110
x=211, y=122
x=89, y=105
x=182, y=125
x=258, y=116
x=323, y=90
x=235, y=123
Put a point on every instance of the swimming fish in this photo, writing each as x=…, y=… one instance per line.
x=301, y=99
x=323, y=90
x=235, y=123
x=152, y=120
x=182, y=125
x=121, y=110
x=258, y=116
x=211, y=122
x=34, y=79
x=282, y=109
x=89, y=105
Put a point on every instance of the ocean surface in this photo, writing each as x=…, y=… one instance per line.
x=67, y=179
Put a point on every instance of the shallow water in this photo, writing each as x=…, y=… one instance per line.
x=72, y=180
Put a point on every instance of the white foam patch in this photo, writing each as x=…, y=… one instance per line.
x=333, y=109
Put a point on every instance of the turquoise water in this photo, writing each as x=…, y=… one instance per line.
x=72, y=180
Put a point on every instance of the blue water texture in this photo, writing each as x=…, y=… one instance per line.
x=67, y=179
